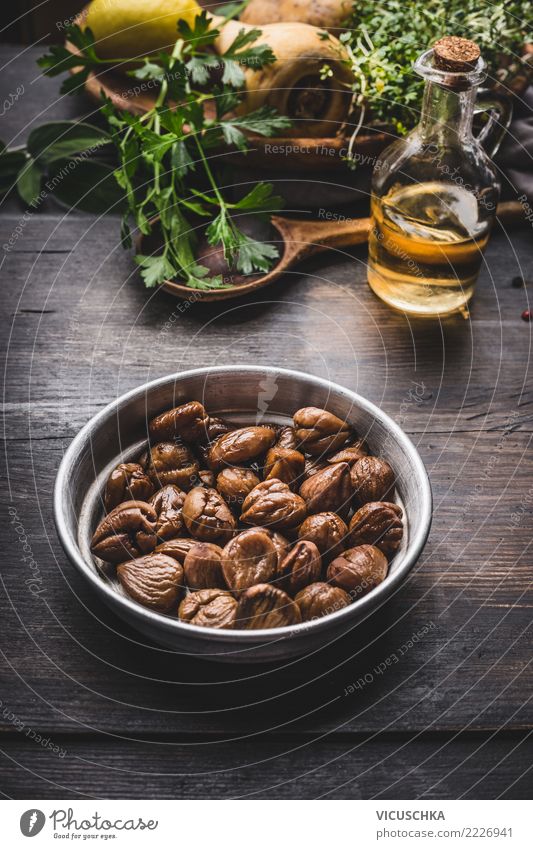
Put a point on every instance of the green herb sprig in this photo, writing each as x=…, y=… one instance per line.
x=166, y=176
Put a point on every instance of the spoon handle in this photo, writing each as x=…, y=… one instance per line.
x=307, y=238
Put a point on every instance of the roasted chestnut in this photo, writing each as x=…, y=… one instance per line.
x=168, y=504
x=273, y=505
x=187, y=421
x=265, y=606
x=378, y=523
x=249, y=558
x=330, y=490
x=234, y=483
x=240, y=446
x=285, y=464
x=321, y=599
x=170, y=463
x=176, y=548
x=206, y=515
x=281, y=543
x=154, y=581
x=358, y=570
x=287, y=438
x=327, y=531
x=202, y=567
x=209, y=609
x=129, y=530
x=128, y=482
x=350, y=453
x=318, y=431
x=372, y=480
x=206, y=478
x=300, y=567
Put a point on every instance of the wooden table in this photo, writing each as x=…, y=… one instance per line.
x=89, y=709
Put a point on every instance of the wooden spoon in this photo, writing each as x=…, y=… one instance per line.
x=298, y=240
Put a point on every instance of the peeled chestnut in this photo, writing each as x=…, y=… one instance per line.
x=273, y=505
x=240, y=446
x=320, y=599
x=128, y=482
x=234, y=483
x=265, y=606
x=358, y=570
x=302, y=565
x=168, y=504
x=285, y=464
x=378, y=523
x=129, y=530
x=209, y=608
x=318, y=431
x=327, y=531
x=170, y=463
x=206, y=515
x=202, y=567
x=176, y=548
x=372, y=480
x=249, y=558
x=281, y=543
x=287, y=438
x=154, y=580
x=350, y=453
x=187, y=421
x=330, y=490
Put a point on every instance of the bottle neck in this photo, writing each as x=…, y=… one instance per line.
x=447, y=114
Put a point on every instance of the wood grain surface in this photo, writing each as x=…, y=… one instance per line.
x=451, y=713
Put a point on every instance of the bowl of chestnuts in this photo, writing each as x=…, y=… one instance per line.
x=242, y=513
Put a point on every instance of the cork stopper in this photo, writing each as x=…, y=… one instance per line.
x=455, y=55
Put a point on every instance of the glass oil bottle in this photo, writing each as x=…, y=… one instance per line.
x=434, y=193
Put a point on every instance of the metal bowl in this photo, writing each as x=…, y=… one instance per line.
x=244, y=394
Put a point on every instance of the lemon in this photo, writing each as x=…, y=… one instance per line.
x=125, y=29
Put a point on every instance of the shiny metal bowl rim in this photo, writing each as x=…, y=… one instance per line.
x=367, y=603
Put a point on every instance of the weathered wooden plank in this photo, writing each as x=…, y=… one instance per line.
x=477, y=767
x=70, y=321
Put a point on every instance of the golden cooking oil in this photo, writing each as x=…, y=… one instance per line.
x=435, y=191
x=425, y=248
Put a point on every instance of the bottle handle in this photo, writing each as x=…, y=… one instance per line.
x=500, y=109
